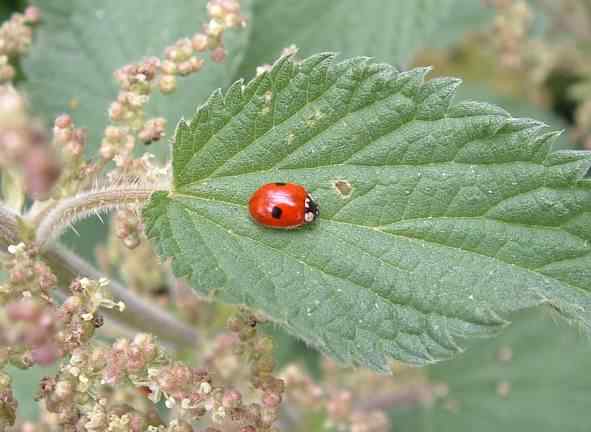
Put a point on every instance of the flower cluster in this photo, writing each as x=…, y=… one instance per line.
x=25, y=153
x=342, y=409
x=137, y=81
x=128, y=227
x=69, y=143
x=511, y=28
x=16, y=36
x=33, y=329
x=357, y=400
x=88, y=391
x=8, y=403
x=258, y=350
x=28, y=275
x=77, y=396
x=556, y=69
x=47, y=168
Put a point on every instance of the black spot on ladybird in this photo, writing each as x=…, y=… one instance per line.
x=280, y=184
x=276, y=213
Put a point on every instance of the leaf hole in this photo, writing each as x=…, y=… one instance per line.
x=344, y=188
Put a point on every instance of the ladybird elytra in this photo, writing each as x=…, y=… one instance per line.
x=282, y=205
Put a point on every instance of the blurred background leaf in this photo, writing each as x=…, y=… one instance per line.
x=534, y=377
x=80, y=44
x=390, y=30
x=25, y=384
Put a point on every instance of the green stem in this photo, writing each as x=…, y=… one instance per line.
x=138, y=313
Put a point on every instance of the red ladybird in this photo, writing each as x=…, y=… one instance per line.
x=282, y=205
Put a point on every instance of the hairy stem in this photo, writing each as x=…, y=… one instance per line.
x=40, y=209
x=85, y=204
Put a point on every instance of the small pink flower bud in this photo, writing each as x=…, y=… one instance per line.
x=185, y=68
x=271, y=400
x=230, y=6
x=215, y=29
x=215, y=10
x=231, y=399
x=172, y=53
x=7, y=73
x=107, y=151
x=218, y=55
x=169, y=68
x=167, y=84
x=76, y=286
x=63, y=121
x=64, y=390
x=32, y=15
x=185, y=48
x=116, y=111
x=199, y=42
x=114, y=134
x=62, y=136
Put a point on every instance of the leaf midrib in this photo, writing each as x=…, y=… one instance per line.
x=399, y=236
x=378, y=227
x=306, y=264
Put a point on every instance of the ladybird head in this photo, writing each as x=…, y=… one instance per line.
x=312, y=211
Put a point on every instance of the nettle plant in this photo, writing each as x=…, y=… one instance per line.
x=438, y=221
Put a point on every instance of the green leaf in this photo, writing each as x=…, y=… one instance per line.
x=534, y=378
x=457, y=215
x=517, y=107
x=81, y=43
x=390, y=30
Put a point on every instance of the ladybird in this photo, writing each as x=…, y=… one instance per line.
x=282, y=205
